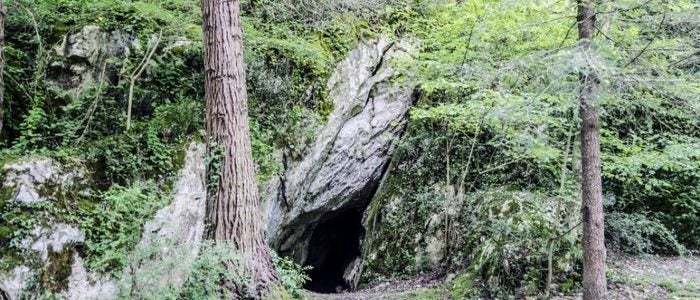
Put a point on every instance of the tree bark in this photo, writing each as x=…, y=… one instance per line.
x=2, y=64
x=594, y=282
x=233, y=213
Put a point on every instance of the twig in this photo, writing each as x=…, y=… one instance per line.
x=605, y=35
x=567, y=34
x=549, y=259
x=469, y=41
x=136, y=74
x=625, y=9
x=498, y=167
x=656, y=34
x=460, y=190
x=93, y=107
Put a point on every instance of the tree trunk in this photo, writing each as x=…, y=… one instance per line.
x=2, y=64
x=233, y=212
x=594, y=284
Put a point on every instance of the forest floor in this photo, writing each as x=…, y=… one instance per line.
x=629, y=277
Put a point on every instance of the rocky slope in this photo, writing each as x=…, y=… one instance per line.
x=338, y=173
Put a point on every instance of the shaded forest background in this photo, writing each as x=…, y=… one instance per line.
x=492, y=141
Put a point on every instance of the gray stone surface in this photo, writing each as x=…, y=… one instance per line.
x=79, y=60
x=83, y=285
x=44, y=240
x=173, y=237
x=26, y=178
x=38, y=179
x=343, y=166
x=183, y=219
x=15, y=282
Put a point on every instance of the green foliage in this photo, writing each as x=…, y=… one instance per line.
x=203, y=271
x=501, y=238
x=144, y=17
x=18, y=222
x=113, y=225
x=510, y=234
x=464, y=287
x=210, y=269
x=497, y=109
x=292, y=275
x=299, y=132
x=112, y=220
x=639, y=234
x=491, y=148
x=213, y=162
x=201, y=274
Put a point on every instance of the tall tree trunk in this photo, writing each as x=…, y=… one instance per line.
x=594, y=284
x=2, y=64
x=233, y=212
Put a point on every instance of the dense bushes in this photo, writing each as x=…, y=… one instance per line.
x=501, y=239
x=497, y=116
x=201, y=274
x=638, y=234
x=113, y=225
x=485, y=179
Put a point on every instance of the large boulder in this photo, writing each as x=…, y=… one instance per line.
x=170, y=242
x=50, y=248
x=343, y=166
x=80, y=59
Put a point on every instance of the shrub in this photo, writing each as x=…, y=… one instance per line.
x=114, y=224
x=292, y=275
x=201, y=271
x=501, y=239
x=638, y=234
x=509, y=237
x=208, y=271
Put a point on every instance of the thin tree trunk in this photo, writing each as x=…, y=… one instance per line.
x=594, y=284
x=2, y=63
x=233, y=212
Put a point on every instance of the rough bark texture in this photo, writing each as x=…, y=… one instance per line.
x=594, y=284
x=233, y=211
x=2, y=62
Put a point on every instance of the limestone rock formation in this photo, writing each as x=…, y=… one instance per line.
x=79, y=60
x=175, y=233
x=172, y=239
x=343, y=167
x=35, y=180
x=328, y=186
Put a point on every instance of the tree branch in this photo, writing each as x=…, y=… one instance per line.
x=136, y=74
x=656, y=34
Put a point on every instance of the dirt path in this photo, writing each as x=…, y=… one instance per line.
x=652, y=277
x=630, y=277
x=425, y=286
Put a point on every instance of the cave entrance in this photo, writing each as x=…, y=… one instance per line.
x=334, y=245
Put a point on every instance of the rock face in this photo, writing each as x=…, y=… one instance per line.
x=28, y=178
x=83, y=285
x=80, y=59
x=345, y=164
x=170, y=242
x=183, y=220
x=31, y=182
x=174, y=236
x=329, y=187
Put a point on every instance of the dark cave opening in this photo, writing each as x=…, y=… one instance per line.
x=334, y=244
